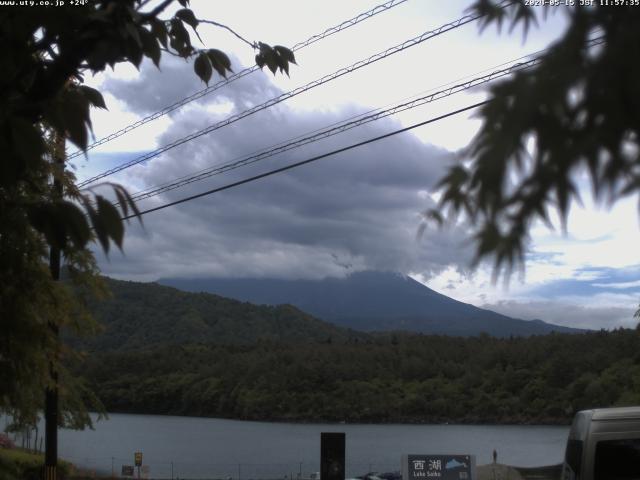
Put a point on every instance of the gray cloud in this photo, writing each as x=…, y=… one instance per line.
x=354, y=211
x=155, y=88
x=357, y=210
x=567, y=314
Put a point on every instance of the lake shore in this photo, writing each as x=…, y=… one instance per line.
x=540, y=420
x=206, y=448
x=498, y=471
x=494, y=471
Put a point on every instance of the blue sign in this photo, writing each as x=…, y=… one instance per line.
x=438, y=467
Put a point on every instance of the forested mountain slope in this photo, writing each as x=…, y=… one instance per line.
x=372, y=301
x=145, y=314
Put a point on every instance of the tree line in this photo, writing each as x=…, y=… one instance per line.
x=383, y=378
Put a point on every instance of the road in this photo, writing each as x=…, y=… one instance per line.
x=498, y=471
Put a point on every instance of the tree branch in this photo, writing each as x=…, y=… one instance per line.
x=159, y=9
x=211, y=22
x=166, y=50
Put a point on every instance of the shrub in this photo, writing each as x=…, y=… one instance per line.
x=5, y=441
x=18, y=464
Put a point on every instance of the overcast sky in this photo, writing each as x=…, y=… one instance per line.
x=360, y=209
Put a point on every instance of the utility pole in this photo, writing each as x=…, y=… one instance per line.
x=51, y=394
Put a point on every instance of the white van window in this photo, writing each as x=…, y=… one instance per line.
x=617, y=460
x=573, y=455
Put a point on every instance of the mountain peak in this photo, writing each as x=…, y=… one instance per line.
x=371, y=300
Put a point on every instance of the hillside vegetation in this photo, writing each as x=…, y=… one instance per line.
x=140, y=315
x=372, y=301
x=391, y=378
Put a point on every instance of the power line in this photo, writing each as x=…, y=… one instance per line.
x=332, y=130
x=292, y=93
x=307, y=161
x=144, y=192
x=355, y=121
x=205, y=91
x=352, y=122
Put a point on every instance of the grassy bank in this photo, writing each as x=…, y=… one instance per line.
x=19, y=464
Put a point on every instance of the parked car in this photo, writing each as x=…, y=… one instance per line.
x=604, y=444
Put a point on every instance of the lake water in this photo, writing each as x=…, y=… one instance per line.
x=214, y=448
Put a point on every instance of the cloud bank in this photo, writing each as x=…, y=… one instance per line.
x=353, y=211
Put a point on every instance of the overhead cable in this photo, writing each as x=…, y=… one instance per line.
x=292, y=93
x=205, y=91
x=328, y=132
x=305, y=162
x=348, y=124
x=522, y=59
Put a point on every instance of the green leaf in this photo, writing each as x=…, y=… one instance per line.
x=129, y=201
x=220, y=61
x=93, y=96
x=46, y=219
x=220, y=57
x=202, y=67
x=435, y=216
x=150, y=46
x=134, y=52
x=125, y=201
x=178, y=31
x=524, y=15
x=98, y=226
x=104, y=53
x=269, y=57
x=283, y=65
x=75, y=115
x=180, y=39
x=488, y=12
x=285, y=53
x=283, y=56
x=133, y=34
x=53, y=115
x=188, y=17
x=75, y=222
x=39, y=218
x=110, y=220
x=159, y=30
x=27, y=141
x=487, y=241
x=122, y=201
x=271, y=60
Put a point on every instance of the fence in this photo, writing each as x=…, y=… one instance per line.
x=186, y=470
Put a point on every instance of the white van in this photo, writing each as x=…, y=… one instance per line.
x=604, y=444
